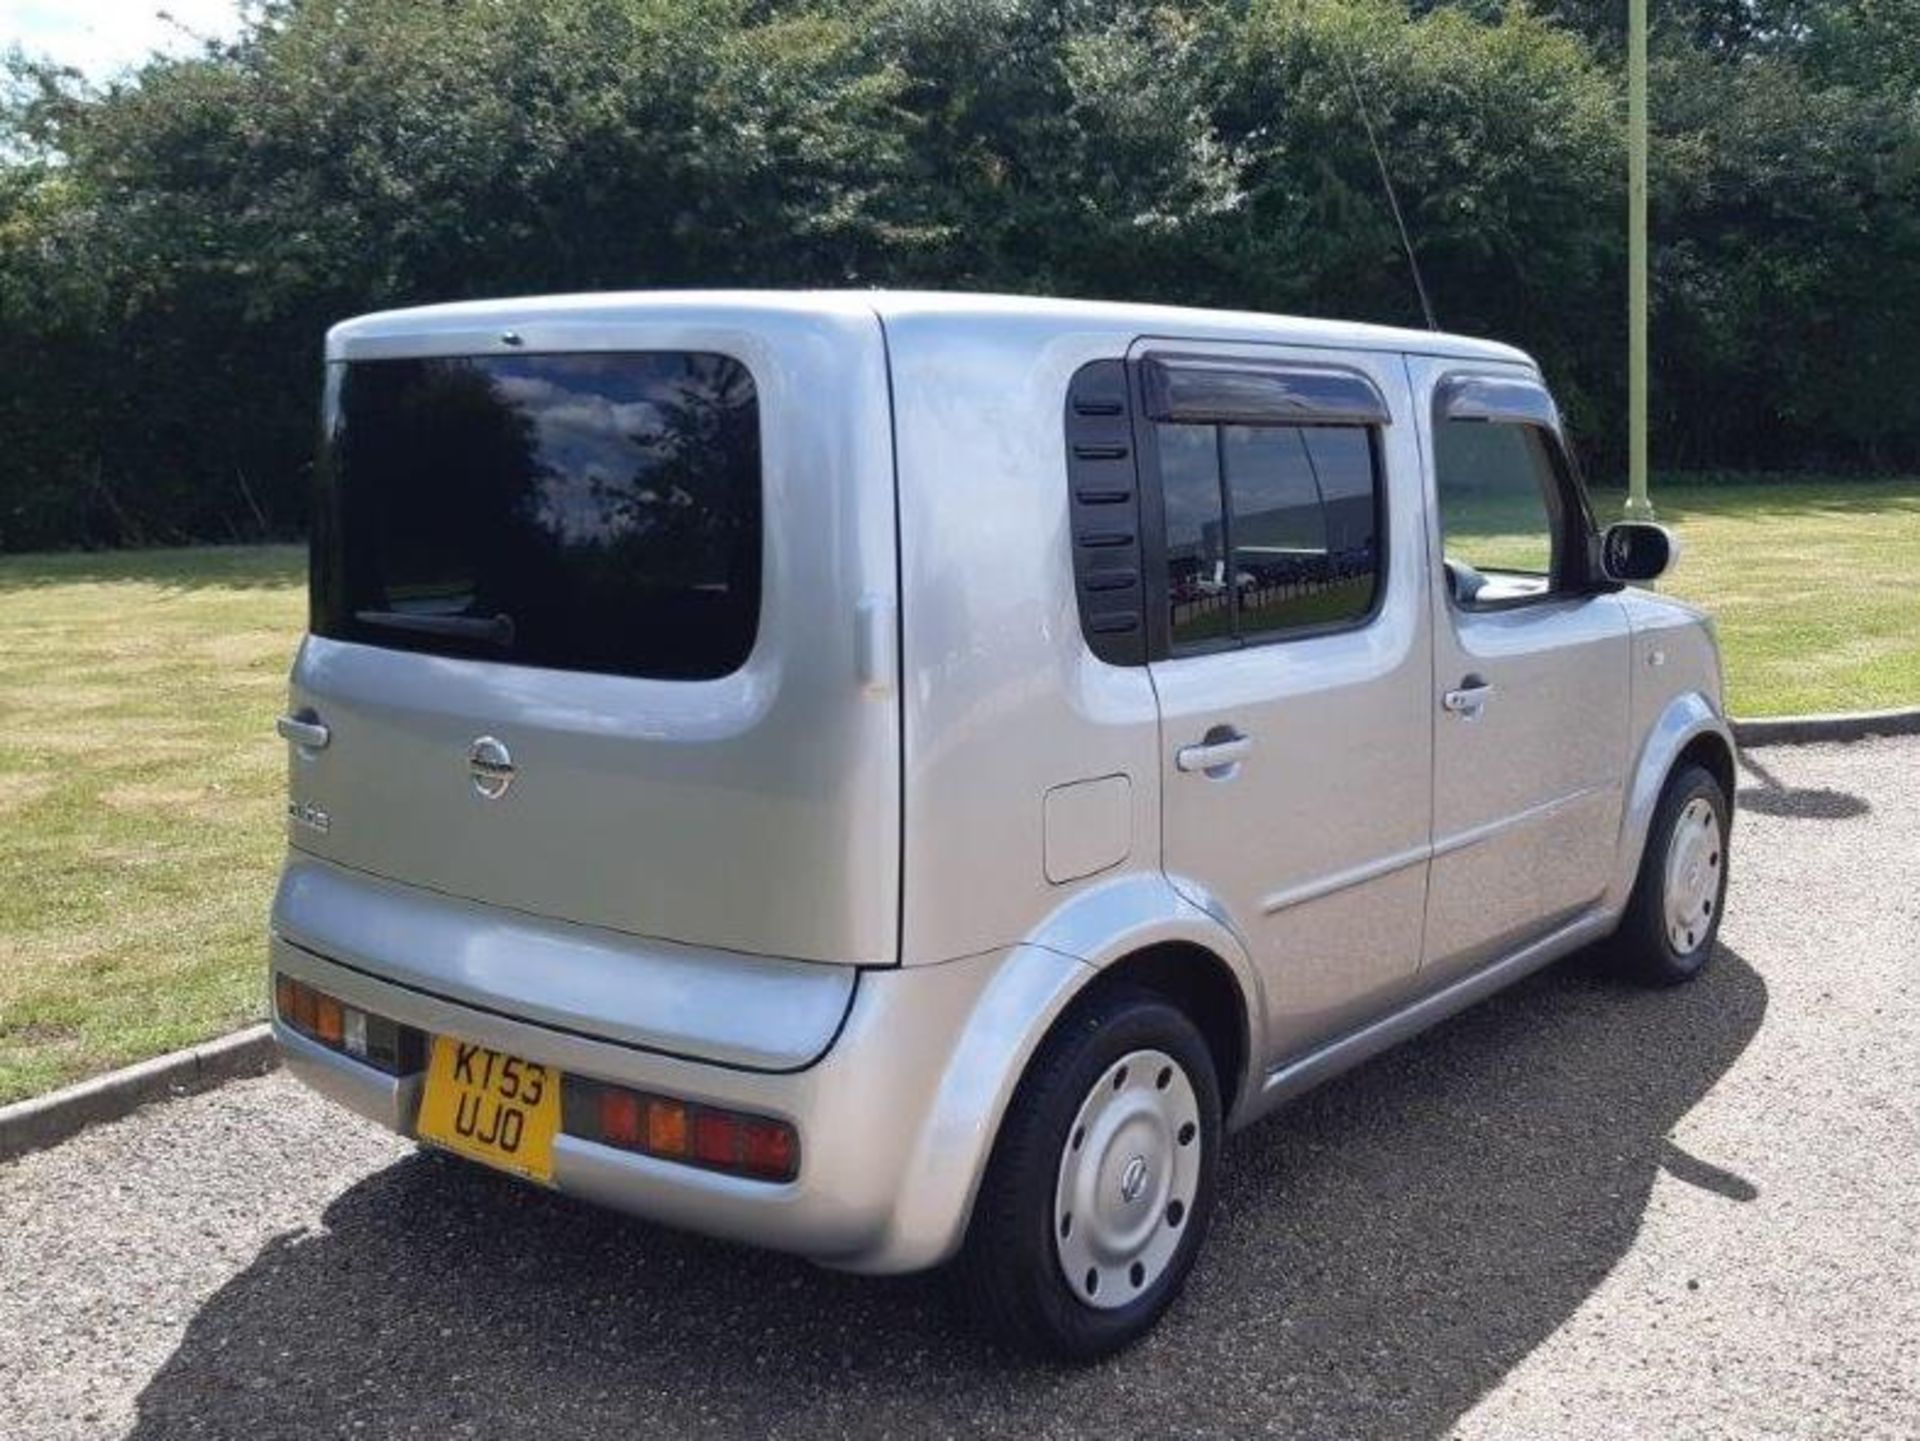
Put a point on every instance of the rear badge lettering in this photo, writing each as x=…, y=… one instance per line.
x=302, y=813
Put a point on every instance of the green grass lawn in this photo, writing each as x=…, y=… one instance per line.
x=1815, y=589
x=140, y=779
x=140, y=785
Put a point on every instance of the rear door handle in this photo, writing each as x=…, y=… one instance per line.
x=305, y=730
x=1469, y=700
x=1223, y=749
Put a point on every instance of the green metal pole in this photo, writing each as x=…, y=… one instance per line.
x=1638, y=505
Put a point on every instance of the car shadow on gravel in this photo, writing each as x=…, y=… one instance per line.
x=1385, y=1251
x=1772, y=797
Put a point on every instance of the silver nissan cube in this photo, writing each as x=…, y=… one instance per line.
x=898, y=778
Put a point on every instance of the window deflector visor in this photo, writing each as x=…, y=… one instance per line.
x=1196, y=389
x=1487, y=398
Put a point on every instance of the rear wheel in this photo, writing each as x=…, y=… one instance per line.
x=1673, y=918
x=1100, y=1189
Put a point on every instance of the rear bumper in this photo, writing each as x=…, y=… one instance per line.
x=730, y=1206
x=758, y=1013
x=896, y=1119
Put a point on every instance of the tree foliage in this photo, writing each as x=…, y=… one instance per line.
x=173, y=244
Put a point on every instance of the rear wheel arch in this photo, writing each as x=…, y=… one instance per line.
x=1202, y=985
x=1012, y=1265
x=1152, y=942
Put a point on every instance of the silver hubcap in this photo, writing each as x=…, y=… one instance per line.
x=1127, y=1179
x=1696, y=857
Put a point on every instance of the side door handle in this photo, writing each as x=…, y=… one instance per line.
x=305, y=730
x=1217, y=755
x=1469, y=700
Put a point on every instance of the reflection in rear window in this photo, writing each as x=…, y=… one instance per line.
x=582, y=512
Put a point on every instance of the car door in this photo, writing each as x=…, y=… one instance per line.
x=1289, y=647
x=1531, y=656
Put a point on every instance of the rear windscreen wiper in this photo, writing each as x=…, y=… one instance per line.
x=495, y=630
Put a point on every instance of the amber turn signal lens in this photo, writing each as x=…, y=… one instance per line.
x=328, y=1024
x=666, y=1128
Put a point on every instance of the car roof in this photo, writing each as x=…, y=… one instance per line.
x=923, y=307
x=1190, y=321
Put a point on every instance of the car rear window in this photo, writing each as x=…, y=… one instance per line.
x=580, y=512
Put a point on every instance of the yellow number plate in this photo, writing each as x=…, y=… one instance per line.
x=491, y=1107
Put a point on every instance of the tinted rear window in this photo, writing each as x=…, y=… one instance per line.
x=1291, y=513
x=583, y=512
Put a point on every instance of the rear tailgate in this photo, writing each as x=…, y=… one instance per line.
x=602, y=619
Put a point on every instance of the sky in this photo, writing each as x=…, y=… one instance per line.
x=100, y=37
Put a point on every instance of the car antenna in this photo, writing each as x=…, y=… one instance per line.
x=1386, y=181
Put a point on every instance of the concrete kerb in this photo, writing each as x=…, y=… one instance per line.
x=42, y=1121
x=1813, y=729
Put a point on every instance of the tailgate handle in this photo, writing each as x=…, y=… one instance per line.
x=305, y=730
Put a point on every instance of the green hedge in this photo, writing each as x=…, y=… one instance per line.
x=174, y=244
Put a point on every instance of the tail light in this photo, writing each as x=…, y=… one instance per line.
x=383, y=1044
x=708, y=1136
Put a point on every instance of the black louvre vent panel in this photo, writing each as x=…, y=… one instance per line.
x=1103, y=495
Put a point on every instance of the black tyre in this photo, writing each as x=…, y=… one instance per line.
x=1673, y=917
x=1100, y=1188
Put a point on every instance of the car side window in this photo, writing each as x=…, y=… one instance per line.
x=1500, y=510
x=1271, y=530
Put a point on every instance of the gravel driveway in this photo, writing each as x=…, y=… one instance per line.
x=1578, y=1210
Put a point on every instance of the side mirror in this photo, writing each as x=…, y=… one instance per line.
x=1638, y=550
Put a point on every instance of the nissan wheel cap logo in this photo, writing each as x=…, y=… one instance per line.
x=491, y=765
